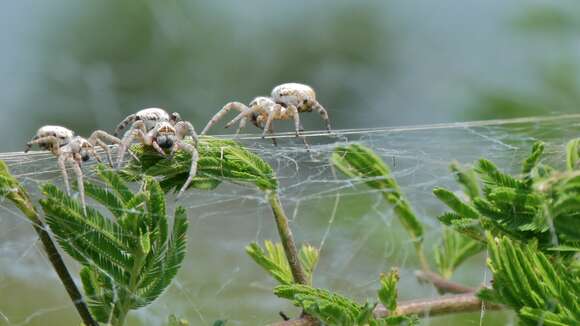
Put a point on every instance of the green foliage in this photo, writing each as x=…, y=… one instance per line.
x=539, y=287
x=360, y=162
x=273, y=260
x=219, y=160
x=454, y=249
x=467, y=178
x=335, y=309
x=523, y=207
x=13, y=191
x=572, y=154
x=127, y=261
x=330, y=308
x=388, y=291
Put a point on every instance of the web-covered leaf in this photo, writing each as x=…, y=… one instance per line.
x=361, y=163
x=219, y=160
x=330, y=308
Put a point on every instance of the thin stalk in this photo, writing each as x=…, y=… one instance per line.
x=287, y=238
x=23, y=202
x=124, y=301
x=422, y=308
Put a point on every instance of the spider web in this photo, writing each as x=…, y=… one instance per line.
x=357, y=233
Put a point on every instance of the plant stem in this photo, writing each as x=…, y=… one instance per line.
x=22, y=201
x=124, y=301
x=287, y=239
x=423, y=307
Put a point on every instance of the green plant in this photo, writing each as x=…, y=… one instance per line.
x=539, y=204
x=335, y=309
x=529, y=223
x=128, y=259
x=11, y=189
x=220, y=160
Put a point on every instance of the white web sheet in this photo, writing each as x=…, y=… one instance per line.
x=359, y=236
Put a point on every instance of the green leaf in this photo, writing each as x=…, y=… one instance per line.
x=532, y=284
x=454, y=249
x=572, y=154
x=330, y=308
x=532, y=161
x=273, y=260
x=360, y=162
x=388, y=291
x=106, y=198
x=466, y=178
x=114, y=180
x=451, y=200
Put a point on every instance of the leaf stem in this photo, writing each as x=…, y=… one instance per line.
x=287, y=238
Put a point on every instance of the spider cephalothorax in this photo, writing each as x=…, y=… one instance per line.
x=155, y=127
x=286, y=102
x=72, y=149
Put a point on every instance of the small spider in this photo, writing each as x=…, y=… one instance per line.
x=286, y=102
x=155, y=127
x=72, y=149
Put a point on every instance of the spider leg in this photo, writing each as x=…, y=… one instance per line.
x=274, y=141
x=137, y=130
x=294, y=113
x=62, y=158
x=193, y=169
x=323, y=114
x=182, y=130
x=244, y=115
x=240, y=107
x=80, y=184
x=121, y=126
x=52, y=141
x=273, y=112
x=99, y=137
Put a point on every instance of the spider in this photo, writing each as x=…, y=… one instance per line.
x=286, y=102
x=155, y=127
x=72, y=149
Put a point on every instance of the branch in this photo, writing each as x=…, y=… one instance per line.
x=421, y=307
x=442, y=284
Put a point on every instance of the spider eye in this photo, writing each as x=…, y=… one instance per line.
x=85, y=156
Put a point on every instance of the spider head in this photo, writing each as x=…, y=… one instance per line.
x=165, y=136
x=165, y=141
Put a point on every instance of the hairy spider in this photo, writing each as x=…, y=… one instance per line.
x=72, y=149
x=286, y=102
x=155, y=127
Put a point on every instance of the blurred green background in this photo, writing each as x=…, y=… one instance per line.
x=86, y=65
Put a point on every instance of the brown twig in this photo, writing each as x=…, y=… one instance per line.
x=422, y=307
x=442, y=284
